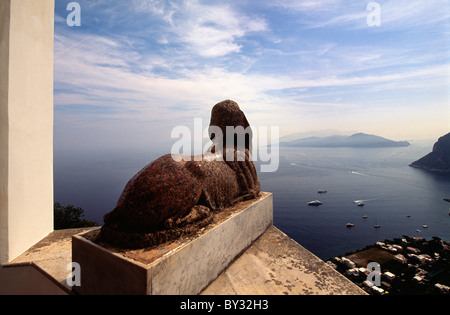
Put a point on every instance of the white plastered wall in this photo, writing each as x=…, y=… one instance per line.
x=26, y=124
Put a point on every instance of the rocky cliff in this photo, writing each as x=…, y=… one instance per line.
x=439, y=159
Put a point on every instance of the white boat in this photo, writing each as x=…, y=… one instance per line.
x=425, y=226
x=322, y=191
x=315, y=203
x=365, y=217
x=360, y=204
x=350, y=225
x=377, y=226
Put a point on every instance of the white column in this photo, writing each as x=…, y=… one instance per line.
x=26, y=124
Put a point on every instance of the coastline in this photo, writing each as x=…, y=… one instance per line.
x=407, y=266
x=430, y=169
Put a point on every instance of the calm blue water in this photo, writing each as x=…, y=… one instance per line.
x=382, y=178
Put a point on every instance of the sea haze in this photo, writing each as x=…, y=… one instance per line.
x=380, y=177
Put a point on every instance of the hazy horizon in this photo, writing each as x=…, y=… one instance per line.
x=134, y=70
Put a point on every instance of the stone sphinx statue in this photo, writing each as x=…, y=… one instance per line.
x=173, y=197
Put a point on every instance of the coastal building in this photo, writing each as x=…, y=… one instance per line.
x=413, y=250
x=422, y=259
x=427, y=272
x=354, y=272
x=395, y=248
x=400, y=258
x=368, y=284
x=442, y=288
x=389, y=276
x=377, y=290
x=419, y=278
x=347, y=262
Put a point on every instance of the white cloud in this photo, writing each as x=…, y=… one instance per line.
x=206, y=29
x=100, y=72
x=414, y=13
x=308, y=6
x=195, y=57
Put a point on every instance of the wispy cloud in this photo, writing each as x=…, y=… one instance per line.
x=206, y=29
x=395, y=14
x=157, y=64
x=102, y=72
x=412, y=14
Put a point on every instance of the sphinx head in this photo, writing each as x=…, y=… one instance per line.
x=229, y=126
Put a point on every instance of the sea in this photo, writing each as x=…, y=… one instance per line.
x=401, y=199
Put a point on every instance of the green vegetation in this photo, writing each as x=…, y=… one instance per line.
x=70, y=217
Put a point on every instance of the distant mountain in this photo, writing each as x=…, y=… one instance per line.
x=315, y=133
x=439, y=159
x=359, y=140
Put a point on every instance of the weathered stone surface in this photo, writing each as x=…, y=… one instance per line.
x=228, y=114
x=170, y=197
x=277, y=265
x=185, y=265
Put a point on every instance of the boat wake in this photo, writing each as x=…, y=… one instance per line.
x=363, y=201
x=358, y=173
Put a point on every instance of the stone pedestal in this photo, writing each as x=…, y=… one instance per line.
x=182, y=267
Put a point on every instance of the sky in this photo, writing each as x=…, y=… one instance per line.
x=134, y=70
